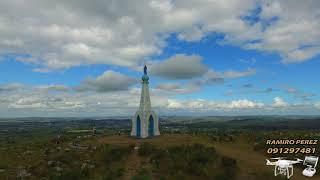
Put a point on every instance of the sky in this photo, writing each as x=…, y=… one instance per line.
x=205, y=57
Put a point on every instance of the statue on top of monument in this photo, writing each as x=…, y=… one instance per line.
x=145, y=69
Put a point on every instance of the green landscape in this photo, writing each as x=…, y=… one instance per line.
x=189, y=148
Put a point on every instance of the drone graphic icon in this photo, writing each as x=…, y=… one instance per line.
x=283, y=166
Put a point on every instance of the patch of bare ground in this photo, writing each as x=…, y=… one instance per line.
x=132, y=166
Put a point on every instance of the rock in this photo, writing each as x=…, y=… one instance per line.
x=58, y=163
x=87, y=164
x=59, y=169
x=22, y=173
x=2, y=170
x=27, y=152
x=51, y=163
x=46, y=152
x=84, y=166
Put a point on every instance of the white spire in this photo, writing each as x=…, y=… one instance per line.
x=145, y=122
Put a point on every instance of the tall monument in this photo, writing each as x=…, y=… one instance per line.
x=145, y=122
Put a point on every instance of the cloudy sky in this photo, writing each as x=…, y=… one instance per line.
x=205, y=57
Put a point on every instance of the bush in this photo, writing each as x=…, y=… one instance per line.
x=110, y=154
x=146, y=149
x=70, y=174
x=113, y=174
x=142, y=175
x=112, y=159
x=228, y=162
x=230, y=166
x=188, y=159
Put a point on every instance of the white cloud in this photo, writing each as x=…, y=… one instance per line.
x=244, y=103
x=28, y=102
x=271, y=9
x=179, y=66
x=178, y=88
x=174, y=104
x=163, y=5
x=53, y=87
x=34, y=101
x=300, y=94
x=108, y=81
x=43, y=103
x=205, y=105
x=293, y=34
x=211, y=77
x=11, y=87
x=238, y=74
x=214, y=77
x=279, y=102
x=62, y=34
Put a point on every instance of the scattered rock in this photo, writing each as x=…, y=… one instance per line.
x=88, y=164
x=59, y=169
x=54, y=163
x=84, y=166
x=51, y=163
x=27, y=152
x=22, y=173
x=46, y=151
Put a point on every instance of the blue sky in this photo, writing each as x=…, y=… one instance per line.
x=219, y=58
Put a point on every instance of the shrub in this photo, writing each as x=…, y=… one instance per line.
x=142, y=175
x=229, y=165
x=188, y=159
x=70, y=174
x=146, y=149
x=112, y=153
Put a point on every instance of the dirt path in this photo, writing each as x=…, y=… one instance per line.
x=133, y=165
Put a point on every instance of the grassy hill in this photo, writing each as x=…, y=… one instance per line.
x=189, y=148
x=169, y=156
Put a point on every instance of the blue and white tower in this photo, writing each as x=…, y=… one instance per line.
x=145, y=122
